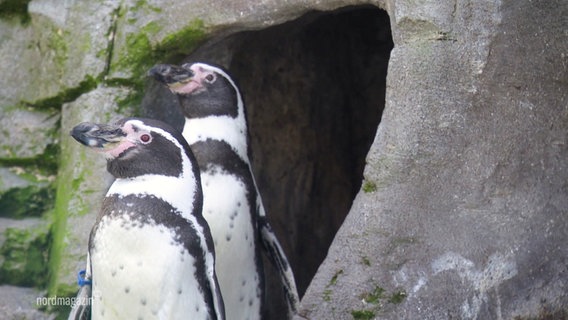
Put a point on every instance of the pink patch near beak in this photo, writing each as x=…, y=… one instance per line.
x=123, y=146
x=186, y=88
x=119, y=149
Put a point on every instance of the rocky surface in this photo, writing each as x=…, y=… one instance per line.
x=470, y=210
x=460, y=212
x=21, y=303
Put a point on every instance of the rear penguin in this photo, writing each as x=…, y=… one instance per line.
x=216, y=129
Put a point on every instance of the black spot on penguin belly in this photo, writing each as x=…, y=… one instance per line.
x=211, y=154
x=154, y=211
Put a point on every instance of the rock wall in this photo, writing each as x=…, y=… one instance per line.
x=461, y=212
x=470, y=212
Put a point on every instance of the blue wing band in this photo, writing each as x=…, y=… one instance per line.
x=82, y=280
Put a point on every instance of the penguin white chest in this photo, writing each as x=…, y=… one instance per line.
x=228, y=213
x=137, y=270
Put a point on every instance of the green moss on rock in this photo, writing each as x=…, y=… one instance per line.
x=26, y=191
x=376, y=300
x=143, y=6
x=546, y=314
x=47, y=160
x=29, y=201
x=327, y=295
x=397, y=297
x=58, y=242
x=362, y=314
x=58, y=42
x=64, y=195
x=66, y=95
x=26, y=187
x=140, y=54
x=180, y=44
x=41, y=165
x=333, y=279
x=25, y=254
x=15, y=8
x=369, y=186
x=374, y=297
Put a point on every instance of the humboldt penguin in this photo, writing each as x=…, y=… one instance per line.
x=151, y=255
x=216, y=129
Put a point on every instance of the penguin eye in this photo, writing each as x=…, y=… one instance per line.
x=210, y=78
x=145, y=138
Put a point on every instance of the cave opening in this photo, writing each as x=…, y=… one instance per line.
x=314, y=89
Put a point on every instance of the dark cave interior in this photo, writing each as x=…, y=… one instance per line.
x=314, y=89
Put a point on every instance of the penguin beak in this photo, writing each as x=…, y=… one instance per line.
x=171, y=75
x=99, y=136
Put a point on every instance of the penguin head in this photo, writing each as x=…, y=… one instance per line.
x=135, y=146
x=204, y=90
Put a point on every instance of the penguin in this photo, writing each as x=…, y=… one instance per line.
x=151, y=254
x=216, y=129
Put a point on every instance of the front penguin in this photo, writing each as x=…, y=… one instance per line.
x=151, y=254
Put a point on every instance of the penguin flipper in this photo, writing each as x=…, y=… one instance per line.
x=278, y=258
x=218, y=304
x=81, y=309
